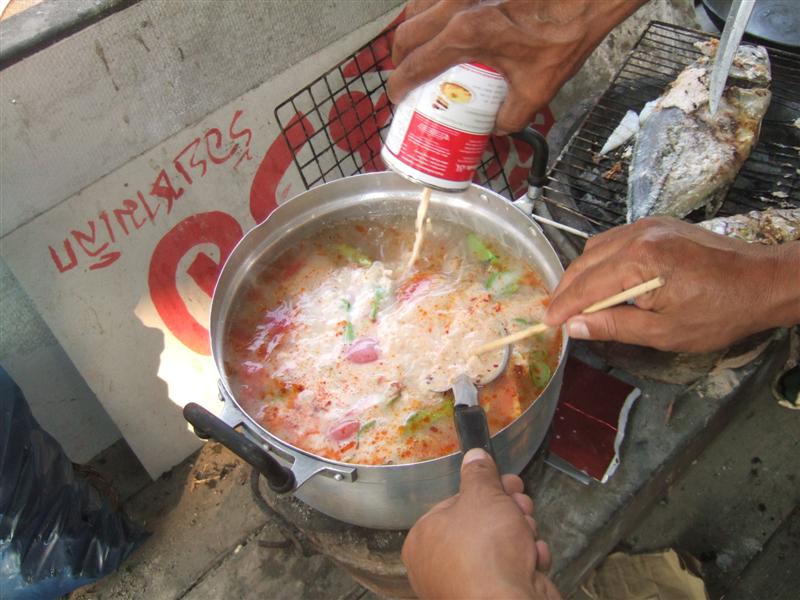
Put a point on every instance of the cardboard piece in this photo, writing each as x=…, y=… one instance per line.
x=657, y=576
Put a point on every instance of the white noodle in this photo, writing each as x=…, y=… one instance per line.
x=419, y=229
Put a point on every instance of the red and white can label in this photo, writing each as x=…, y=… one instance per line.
x=440, y=130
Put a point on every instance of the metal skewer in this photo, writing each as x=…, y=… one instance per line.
x=558, y=225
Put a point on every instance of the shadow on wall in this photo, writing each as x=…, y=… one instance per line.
x=58, y=395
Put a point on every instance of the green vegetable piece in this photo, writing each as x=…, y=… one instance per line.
x=354, y=255
x=479, y=249
x=538, y=369
x=503, y=283
x=430, y=415
x=367, y=426
x=346, y=304
x=522, y=321
x=349, y=332
x=376, y=304
x=269, y=398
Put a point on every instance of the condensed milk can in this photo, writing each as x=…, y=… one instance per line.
x=440, y=130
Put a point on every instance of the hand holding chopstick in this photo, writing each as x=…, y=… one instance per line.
x=623, y=296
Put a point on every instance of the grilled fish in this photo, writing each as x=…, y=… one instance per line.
x=683, y=157
x=771, y=226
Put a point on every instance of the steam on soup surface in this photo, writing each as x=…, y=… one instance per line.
x=331, y=350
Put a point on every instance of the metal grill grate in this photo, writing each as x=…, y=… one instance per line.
x=590, y=194
x=335, y=126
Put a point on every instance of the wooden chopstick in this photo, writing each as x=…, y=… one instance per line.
x=629, y=294
x=623, y=296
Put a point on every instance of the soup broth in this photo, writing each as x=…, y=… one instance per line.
x=332, y=351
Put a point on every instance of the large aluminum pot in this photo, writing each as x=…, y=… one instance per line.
x=392, y=496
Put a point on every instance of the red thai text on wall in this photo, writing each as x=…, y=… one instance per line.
x=96, y=243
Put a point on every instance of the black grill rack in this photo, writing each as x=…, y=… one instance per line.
x=589, y=193
x=347, y=114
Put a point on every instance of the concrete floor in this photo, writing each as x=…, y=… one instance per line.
x=735, y=509
x=742, y=491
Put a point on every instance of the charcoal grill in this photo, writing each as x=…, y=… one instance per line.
x=589, y=193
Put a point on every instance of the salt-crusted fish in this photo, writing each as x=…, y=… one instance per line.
x=771, y=226
x=684, y=158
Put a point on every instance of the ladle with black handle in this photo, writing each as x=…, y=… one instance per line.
x=470, y=418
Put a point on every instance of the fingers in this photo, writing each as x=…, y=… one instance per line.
x=424, y=21
x=478, y=472
x=532, y=524
x=598, y=250
x=512, y=484
x=598, y=282
x=524, y=502
x=627, y=324
x=615, y=260
x=444, y=35
x=415, y=7
x=516, y=112
x=423, y=64
x=544, y=558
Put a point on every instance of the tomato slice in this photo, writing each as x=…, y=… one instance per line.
x=344, y=430
x=416, y=285
x=363, y=350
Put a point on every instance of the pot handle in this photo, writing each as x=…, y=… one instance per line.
x=279, y=478
x=537, y=176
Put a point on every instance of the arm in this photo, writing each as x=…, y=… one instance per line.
x=717, y=291
x=537, y=44
x=480, y=543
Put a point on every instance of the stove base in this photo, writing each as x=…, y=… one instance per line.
x=370, y=556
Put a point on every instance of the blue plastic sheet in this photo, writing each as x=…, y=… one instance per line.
x=56, y=532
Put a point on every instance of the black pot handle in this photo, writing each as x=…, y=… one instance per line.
x=537, y=176
x=279, y=478
x=472, y=429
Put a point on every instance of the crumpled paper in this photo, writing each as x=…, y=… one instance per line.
x=657, y=576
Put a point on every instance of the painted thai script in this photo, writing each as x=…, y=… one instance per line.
x=96, y=243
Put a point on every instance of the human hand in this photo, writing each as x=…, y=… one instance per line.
x=717, y=289
x=481, y=543
x=537, y=44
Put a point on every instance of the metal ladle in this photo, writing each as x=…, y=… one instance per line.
x=469, y=416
